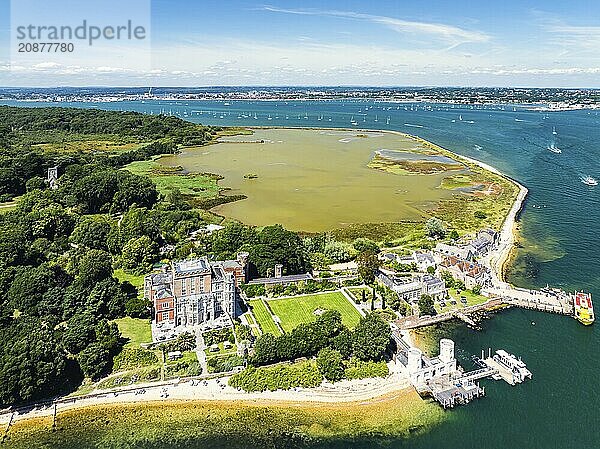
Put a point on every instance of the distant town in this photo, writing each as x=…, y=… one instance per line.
x=539, y=98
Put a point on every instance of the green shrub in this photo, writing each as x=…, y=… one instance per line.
x=278, y=377
x=253, y=290
x=329, y=362
x=183, y=368
x=358, y=369
x=224, y=364
x=130, y=358
x=217, y=336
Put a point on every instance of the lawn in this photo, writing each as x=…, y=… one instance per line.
x=222, y=351
x=136, y=281
x=7, y=206
x=301, y=309
x=252, y=324
x=263, y=317
x=136, y=330
x=472, y=299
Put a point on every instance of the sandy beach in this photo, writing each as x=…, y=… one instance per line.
x=218, y=389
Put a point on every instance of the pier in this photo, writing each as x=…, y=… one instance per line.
x=548, y=300
x=441, y=378
x=414, y=322
x=545, y=300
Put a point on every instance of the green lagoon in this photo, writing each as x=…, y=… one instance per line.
x=314, y=180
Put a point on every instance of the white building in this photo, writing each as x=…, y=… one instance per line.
x=422, y=369
x=411, y=288
x=461, y=252
x=424, y=261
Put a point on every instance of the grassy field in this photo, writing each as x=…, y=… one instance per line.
x=472, y=299
x=8, y=206
x=263, y=317
x=198, y=185
x=136, y=330
x=300, y=309
x=136, y=281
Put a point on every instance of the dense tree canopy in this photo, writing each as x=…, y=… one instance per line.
x=57, y=290
x=277, y=245
x=371, y=338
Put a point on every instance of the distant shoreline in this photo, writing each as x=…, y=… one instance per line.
x=538, y=106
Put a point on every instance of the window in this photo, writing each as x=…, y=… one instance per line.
x=164, y=316
x=183, y=287
x=193, y=286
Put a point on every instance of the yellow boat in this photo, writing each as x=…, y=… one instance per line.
x=584, y=309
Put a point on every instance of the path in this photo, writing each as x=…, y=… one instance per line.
x=200, y=354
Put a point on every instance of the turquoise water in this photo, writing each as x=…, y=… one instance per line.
x=560, y=227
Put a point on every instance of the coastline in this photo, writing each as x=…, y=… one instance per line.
x=345, y=394
x=239, y=424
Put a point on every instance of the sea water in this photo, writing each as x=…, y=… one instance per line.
x=560, y=238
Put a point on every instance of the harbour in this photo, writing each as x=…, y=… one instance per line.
x=558, y=246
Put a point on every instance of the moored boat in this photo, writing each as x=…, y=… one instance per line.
x=584, y=309
x=589, y=181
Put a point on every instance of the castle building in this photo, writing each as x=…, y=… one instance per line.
x=53, y=177
x=196, y=291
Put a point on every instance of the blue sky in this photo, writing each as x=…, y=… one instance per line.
x=382, y=43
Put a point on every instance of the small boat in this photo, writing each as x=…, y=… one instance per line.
x=554, y=149
x=554, y=130
x=514, y=365
x=589, y=181
x=584, y=309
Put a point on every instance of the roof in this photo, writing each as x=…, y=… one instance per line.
x=480, y=243
x=423, y=257
x=472, y=269
x=450, y=250
x=431, y=280
x=191, y=265
x=159, y=278
x=407, y=287
x=230, y=264
x=163, y=292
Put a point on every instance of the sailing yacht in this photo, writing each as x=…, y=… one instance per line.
x=554, y=149
x=589, y=181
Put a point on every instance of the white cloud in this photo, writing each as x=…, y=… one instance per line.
x=447, y=33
